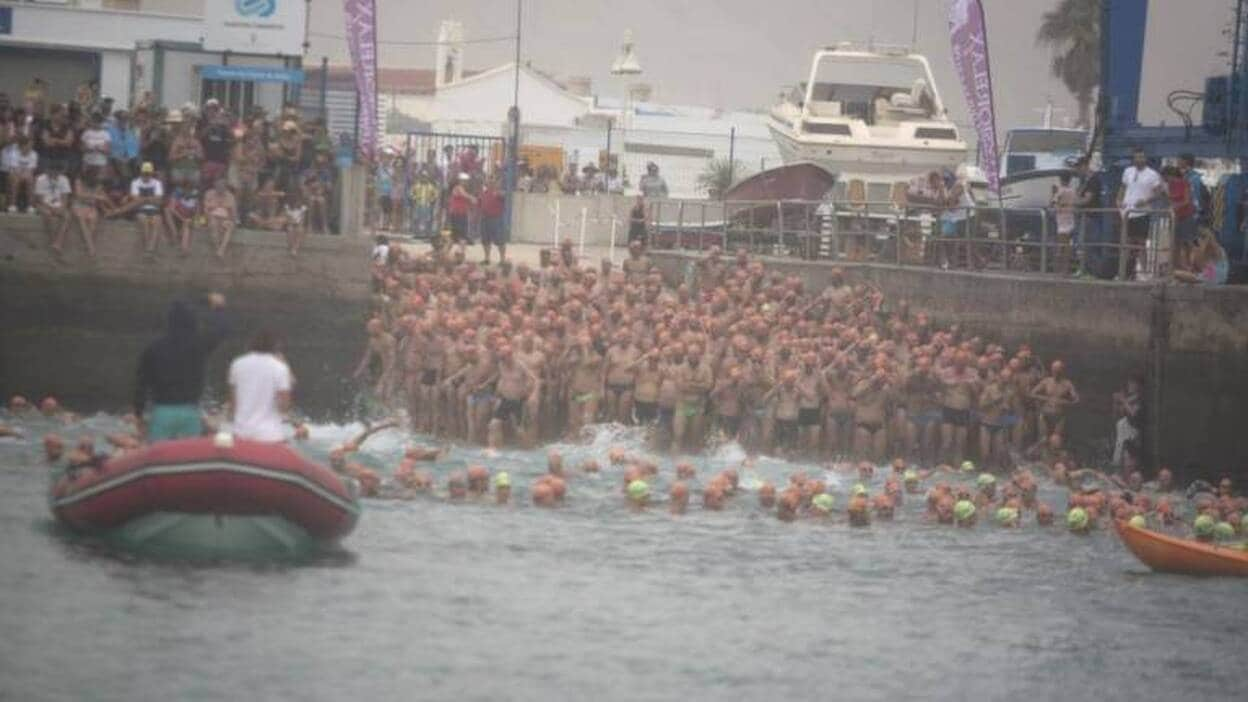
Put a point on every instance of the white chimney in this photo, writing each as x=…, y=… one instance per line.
x=449, y=67
x=626, y=63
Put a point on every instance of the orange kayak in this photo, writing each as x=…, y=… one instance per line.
x=1167, y=554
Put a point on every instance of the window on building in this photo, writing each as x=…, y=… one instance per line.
x=237, y=96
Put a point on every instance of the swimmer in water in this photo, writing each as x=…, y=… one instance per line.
x=678, y=497
x=502, y=488
x=478, y=479
x=638, y=492
x=456, y=486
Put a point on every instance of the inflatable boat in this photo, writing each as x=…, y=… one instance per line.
x=201, y=498
x=1167, y=554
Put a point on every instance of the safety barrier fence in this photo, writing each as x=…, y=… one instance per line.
x=1104, y=243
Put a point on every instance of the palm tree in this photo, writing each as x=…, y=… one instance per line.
x=719, y=175
x=1073, y=31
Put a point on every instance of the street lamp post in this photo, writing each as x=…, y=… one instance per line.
x=513, y=143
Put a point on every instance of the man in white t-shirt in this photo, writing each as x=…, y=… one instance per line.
x=1141, y=185
x=52, y=191
x=260, y=384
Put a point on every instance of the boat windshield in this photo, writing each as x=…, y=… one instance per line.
x=878, y=90
x=1047, y=141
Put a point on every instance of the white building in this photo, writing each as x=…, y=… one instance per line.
x=561, y=115
x=243, y=53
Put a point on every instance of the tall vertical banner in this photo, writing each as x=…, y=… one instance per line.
x=969, y=35
x=361, y=17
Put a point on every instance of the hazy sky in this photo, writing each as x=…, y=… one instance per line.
x=738, y=53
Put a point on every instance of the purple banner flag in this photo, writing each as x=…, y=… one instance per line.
x=361, y=16
x=969, y=35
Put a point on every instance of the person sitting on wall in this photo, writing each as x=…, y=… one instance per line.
x=52, y=191
x=146, y=195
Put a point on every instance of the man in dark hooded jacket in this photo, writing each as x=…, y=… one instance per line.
x=171, y=371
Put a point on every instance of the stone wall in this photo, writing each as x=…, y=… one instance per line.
x=75, y=328
x=1190, y=343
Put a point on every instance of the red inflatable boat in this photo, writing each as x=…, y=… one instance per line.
x=193, y=498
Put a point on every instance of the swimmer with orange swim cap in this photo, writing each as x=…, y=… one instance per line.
x=678, y=497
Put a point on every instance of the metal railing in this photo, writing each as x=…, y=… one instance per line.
x=980, y=238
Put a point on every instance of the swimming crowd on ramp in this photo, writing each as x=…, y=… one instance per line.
x=839, y=379
x=512, y=355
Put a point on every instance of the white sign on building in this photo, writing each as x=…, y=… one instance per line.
x=255, y=26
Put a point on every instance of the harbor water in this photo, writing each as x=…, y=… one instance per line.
x=594, y=601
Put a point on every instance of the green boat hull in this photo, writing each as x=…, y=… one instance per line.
x=214, y=537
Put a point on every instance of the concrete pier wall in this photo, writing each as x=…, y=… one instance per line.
x=75, y=328
x=1189, y=342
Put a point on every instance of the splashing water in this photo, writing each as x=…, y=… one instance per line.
x=593, y=600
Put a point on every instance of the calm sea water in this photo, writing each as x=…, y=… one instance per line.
x=594, y=602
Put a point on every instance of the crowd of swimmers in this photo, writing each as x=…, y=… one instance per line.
x=488, y=355
x=962, y=496
x=498, y=355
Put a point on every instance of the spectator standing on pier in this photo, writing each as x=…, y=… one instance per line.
x=96, y=144
x=124, y=142
x=1183, y=212
x=637, y=221
x=492, y=205
x=215, y=136
x=385, y=188
x=58, y=140
x=424, y=204
x=1063, y=204
x=1196, y=184
x=461, y=203
x=652, y=184
x=1141, y=185
x=1089, y=199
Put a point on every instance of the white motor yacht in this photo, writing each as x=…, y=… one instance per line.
x=1034, y=160
x=872, y=116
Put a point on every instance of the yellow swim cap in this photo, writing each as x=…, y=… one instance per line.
x=963, y=510
x=638, y=490
x=1077, y=519
x=823, y=502
x=1203, y=526
x=502, y=480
